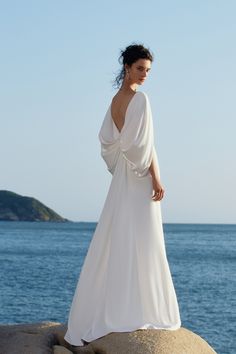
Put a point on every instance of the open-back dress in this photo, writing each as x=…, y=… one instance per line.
x=125, y=283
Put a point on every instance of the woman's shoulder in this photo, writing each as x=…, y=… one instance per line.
x=143, y=97
x=143, y=94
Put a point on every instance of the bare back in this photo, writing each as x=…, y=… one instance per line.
x=119, y=105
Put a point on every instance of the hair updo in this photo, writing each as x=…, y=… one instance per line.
x=129, y=56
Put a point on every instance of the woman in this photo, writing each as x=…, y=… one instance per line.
x=125, y=283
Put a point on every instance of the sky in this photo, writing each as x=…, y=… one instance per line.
x=57, y=63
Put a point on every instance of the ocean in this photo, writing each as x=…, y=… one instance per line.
x=40, y=265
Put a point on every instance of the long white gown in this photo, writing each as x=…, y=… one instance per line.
x=125, y=282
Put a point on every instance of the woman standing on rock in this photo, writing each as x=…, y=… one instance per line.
x=125, y=283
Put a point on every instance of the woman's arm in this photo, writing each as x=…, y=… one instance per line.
x=154, y=169
x=156, y=183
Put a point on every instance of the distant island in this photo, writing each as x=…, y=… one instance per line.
x=15, y=207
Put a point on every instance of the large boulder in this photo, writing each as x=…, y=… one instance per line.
x=48, y=338
x=148, y=341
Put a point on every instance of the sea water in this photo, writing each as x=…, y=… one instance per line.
x=40, y=265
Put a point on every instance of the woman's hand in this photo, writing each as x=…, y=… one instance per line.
x=158, y=190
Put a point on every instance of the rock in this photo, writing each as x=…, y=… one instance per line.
x=58, y=349
x=86, y=350
x=48, y=337
x=37, y=338
x=148, y=341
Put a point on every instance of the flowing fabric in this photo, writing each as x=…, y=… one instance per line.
x=125, y=283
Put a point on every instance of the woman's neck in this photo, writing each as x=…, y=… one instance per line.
x=128, y=88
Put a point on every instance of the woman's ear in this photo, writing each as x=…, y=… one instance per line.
x=127, y=67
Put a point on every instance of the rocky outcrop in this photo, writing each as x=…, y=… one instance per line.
x=48, y=337
x=15, y=207
x=148, y=341
x=37, y=338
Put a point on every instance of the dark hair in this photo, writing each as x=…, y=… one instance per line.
x=129, y=56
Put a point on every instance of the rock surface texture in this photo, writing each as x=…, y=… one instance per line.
x=48, y=337
x=150, y=341
x=35, y=338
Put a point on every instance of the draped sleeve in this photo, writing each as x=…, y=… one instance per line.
x=110, y=145
x=137, y=141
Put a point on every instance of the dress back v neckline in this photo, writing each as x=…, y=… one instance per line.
x=126, y=112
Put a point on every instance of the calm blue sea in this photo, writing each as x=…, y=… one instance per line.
x=40, y=265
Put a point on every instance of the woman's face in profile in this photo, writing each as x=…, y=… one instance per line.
x=139, y=70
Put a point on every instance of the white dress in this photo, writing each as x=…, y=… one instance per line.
x=125, y=282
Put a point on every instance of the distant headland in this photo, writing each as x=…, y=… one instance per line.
x=15, y=207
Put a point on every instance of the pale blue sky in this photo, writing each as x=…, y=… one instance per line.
x=57, y=62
